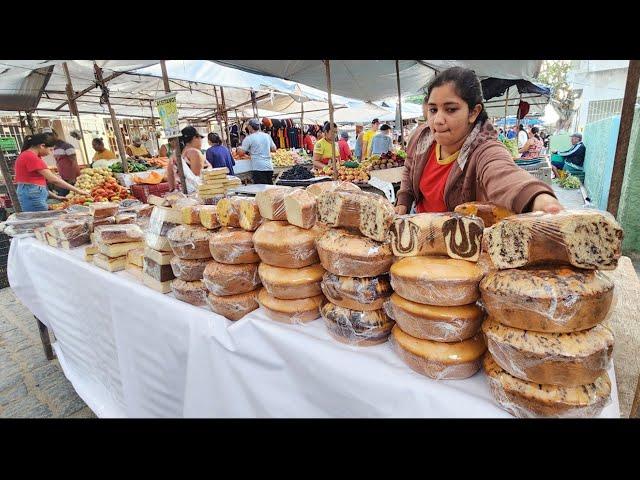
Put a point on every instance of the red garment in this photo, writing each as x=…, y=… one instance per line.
x=345, y=151
x=67, y=167
x=432, y=182
x=309, y=142
x=27, y=166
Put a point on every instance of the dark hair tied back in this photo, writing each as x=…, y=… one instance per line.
x=466, y=84
x=37, y=139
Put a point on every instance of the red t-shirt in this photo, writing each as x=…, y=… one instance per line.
x=434, y=178
x=345, y=151
x=309, y=142
x=27, y=166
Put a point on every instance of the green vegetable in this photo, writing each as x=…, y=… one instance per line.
x=351, y=164
x=570, y=181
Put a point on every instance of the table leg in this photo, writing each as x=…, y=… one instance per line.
x=45, y=339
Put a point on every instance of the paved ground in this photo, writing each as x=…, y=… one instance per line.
x=30, y=385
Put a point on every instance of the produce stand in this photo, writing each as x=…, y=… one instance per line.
x=132, y=352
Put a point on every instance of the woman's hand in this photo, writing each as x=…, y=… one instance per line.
x=401, y=209
x=546, y=203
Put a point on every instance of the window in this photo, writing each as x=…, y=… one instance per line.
x=601, y=109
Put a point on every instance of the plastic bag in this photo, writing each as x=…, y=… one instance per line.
x=489, y=213
x=110, y=234
x=68, y=229
x=194, y=292
x=188, y=270
x=299, y=311
x=353, y=327
x=356, y=293
x=291, y=283
x=233, y=246
x=189, y=241
x=319, y=188
x=271, y=202
x=103, y=209
x=283, y=245
x=233, y=307
x=222, y=279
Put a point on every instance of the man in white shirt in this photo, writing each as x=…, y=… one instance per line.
x=259, y=145
x=522, y=136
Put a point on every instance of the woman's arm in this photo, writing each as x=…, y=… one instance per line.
x=526, y=146
x=405, y=194
x=317, y=163
x=196, y=161
x=56, y=180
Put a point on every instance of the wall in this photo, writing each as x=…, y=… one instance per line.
x=600, y=139
x=629, y=209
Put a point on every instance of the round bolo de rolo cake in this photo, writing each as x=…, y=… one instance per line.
x=291, y=283
x=189, y=270
x=299, y=311
x=355, y=327
x=283, y=245
x=351, y=255
x=233, y=246
x=439, y=281
x=367, y=293
x=524, y=399
x=552, y=300
x=194, y=292
x=233, y=307
x=189, y=241
x=565, y=359
x=223, y=279
x=439, y=360
x=439, y=324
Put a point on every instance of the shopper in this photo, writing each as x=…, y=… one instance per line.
x=218, y=155
x=533, y=146
x=343, y=147
x=66, y=162
x=258, y=145
x=512, y=133
x=522, y=136
x=102, y=153
x=368, y=135
x=358, y=149
x=309, y=142
x=322, y=151
x=193, y=161
x=382, y=142
x=574, y=156
x=456, y=158
x=32, y=174
x=167, y=149
x=137, y=149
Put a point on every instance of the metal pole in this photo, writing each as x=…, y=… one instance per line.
x=74, y=109
x=399, y=103
x=179, y=166
x=114, y=120
x=8, y=180
x=327, y=64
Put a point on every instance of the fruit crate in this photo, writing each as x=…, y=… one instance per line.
x=142, y=192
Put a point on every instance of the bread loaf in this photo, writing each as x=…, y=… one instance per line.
x=354, y=327
x=376, y=216
x=67, y=229
x=233, y=246
x=228, y=211
x=439, y=324
x=319, y=188
x=189, y=270
x=490, y=213
x=301, y=209
x=190, y=242
x=363, y=294
x=163, y=219
x=339, y=208
x=301, y=310
x=233, y=307
x=158, y=286
x=75, y=242
x=110, y=234
x=291, y=283
x=91, y=250
x=524, y=399
x=223, y=279
x=109, y=264
x=161, y=258
x=283, y=245
x=346, y=254
x=439, y=360
x=161, y=273
x=191, y=215
x=126, y=218
x=566, y=359
x=118, y=249
x=250, y=218
x=102, y=221
x=40, y=234
x=209, y=216
x=135, y=256
x=103, y=209
x=439, y=281
x=194, y=293
x=157, y=242
x=553, y=300
x=271, y=203
x=587, y=239
x=134, y=270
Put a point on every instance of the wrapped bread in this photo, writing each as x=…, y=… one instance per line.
x=490, y=213
x=291, y=283
x=524, y=399
x=67, y=229
x=161, y=258
x=300, y=310
x=118, y=249
x=319, y=188
x=365, y=294
x=301, y=209
x=190, y=241
x=439, y=324
x=189, y=270
x=163, y=219
x=194, y=293
x=109, y=264
x=439, y=360
x=223, y=279
x=439, y=281
x=136, y=256
x=283, y=245
x=587, y=239
x=103, y=209
x=126, y=218
x=155, y=284
x=250, y=218
x=346, y=254
x=157, y=242
x=209, y=216
x=553, y=300
x=355, y=327
x=233, y=246
x=110, y=234
x=191, y=214
x=228, y=211
x=161, y=273
x=103, y=221
x=233, y=307
x=448, y=234
x=271, y=203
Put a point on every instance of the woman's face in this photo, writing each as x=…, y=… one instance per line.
x=98, y=147
x=196, y=142
x=448, y=115
x=44, y=151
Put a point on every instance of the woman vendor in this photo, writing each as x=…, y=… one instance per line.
x=322, y=148
x=193, y=162
x=102, y=153
x=456, y=157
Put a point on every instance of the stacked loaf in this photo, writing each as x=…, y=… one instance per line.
x=357, y=256
x=113, y=243
x=67, y=232
x=215, y=181
x=547, y=302
x=156, y=266
x=190, y=246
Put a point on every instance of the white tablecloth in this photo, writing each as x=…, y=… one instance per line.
x=132, y=352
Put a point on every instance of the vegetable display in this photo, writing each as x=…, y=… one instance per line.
x=570, y=182
x=102, y=185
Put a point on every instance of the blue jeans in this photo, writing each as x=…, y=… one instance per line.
x=33, y=198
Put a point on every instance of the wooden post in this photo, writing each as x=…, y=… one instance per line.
x=8, y=180
x=399, y=103
x=165, y=77
x=225, y=117
x=74, y=109
x=327, y=64
x=154, y=141
x=218, y=116
x=114, y=121
x=179, y=166
x=624, y=134
x=506, y=104
x=302, y=123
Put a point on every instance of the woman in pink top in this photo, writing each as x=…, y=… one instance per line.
x=533, y=146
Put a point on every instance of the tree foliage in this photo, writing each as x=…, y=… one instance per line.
x=554, y=74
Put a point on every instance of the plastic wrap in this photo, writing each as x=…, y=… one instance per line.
x=158, y=286
x=250, y=218
x=188, y=270
x=228, y=211
x=300, y=207
x=79, y=209
x=104, y=209
x=209, y=216
x=291, y=283
x=233, y=307
x=356, y=293
x=524, y=399
x=126, y=218
x=109, y=264
x=28, y=217
x=553, y=300
x=350, y=255
x=163, y=219
x=160, y=273
x=439, y=360
x=210, y=200
x=75, y=242
x=174, y=197
x=283, y=245
x=118, y=249
x=490, y=213
x=109, y=234
x=439, y=324
x=191, y=214
x=40, y=234
x=161, y=258
x=134, y=270
x=439, y=281
x=233, y=246
x=355, y=327
x=194, y=292
x=68, y=229
x=136, y=256
x=588, y=239
x=299, y=311
x=222, y=279
x=565, y=359
x=190, y=242
x=157, y=242
x=102, y=221
x=271, y=203
x=185, y=202
x=319, y=188
x=450, y=234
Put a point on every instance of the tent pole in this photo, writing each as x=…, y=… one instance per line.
x=8, y=180
x=624, y=134
x=114, y=121
x=153, y=123
x=167, y=89
x=74, y=109
x=506, y=102
x=226, y=117
x=327, y=64
x=218, y=116
x=399, y=103
x=302, y=123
